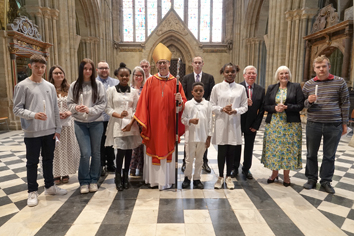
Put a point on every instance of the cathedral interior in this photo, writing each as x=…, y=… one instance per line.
x=263, y=33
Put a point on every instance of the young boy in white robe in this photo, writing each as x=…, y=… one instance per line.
x=197, y=118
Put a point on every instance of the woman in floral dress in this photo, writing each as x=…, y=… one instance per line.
x=67, y=152
x=283, y=133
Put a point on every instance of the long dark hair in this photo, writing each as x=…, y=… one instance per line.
x=64, y=85
x=77, y=90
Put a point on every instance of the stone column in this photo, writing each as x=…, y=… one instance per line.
x=13, y=56
x=346, y=57
x=47, y=15
x=307, y=61
x=55, y=15
x=289, y=17
x=296, y=18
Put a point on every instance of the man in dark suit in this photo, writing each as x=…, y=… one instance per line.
x=187, y=82
x=250, y=121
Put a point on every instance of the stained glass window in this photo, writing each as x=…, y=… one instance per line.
x=128, y=33
x=217, y=21
x=151, y=15
x=179, y=8
x=165, y=6
x=139, y=20
x=205, y=21
x=193, y=17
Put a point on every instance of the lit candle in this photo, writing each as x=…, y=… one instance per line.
x=281, y=96
x=316, y=89
x=44, y=106
x=249, y=93
x=61, y=105
x=81, y=99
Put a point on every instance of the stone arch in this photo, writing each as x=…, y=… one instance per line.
x=173, y=40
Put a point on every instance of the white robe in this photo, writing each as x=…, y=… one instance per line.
x=227, y=129
x=162, y=176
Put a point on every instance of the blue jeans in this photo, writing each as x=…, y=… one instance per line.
x=89, y=136
x=331, y=133
x=45, y=146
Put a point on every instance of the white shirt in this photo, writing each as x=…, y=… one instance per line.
x=200, y=76
x=203, y=111
x=228, y=127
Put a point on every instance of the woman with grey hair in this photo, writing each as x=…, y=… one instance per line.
x=283, y=134
x=137, y=162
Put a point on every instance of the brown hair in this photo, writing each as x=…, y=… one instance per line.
x=37, y=58
x=321, y=59
x=77, y=89
x=64, y=85
x=237, y=68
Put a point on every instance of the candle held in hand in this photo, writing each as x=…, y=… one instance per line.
x=44, y=106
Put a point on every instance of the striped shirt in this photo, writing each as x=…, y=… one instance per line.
x=332, y=103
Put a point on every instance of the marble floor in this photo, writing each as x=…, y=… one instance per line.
x=252, y=208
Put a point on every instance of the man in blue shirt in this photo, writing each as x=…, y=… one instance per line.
x=107, y=153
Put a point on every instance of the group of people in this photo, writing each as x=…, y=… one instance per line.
x=136, y=115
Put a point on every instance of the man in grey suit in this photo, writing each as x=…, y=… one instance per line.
x=250, y=121
x=187, y=83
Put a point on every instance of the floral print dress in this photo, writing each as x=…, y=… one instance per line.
x=282, y=141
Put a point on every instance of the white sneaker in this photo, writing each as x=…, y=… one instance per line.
x=219, y=183
x=32, y=199
x=93, y=188
x=229, y=183
x=84, y=188
x=55, y=190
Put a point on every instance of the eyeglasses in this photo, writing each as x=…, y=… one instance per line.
x=103, y=68
x=138, y=75
x=58, y=73
x=162, y=62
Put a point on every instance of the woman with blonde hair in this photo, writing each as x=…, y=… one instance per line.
x=283, y=133
x=137, y=82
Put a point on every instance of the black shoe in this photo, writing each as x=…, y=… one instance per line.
x=286, y=184
x=234, y=173
x=103, y=171
x=118, y=182
x=269, y=181
x=310, y=184
x=186, y=183
x=206, y=167
x=247, y=174
x=327, y=187
x=183, y=168
x=125, y=180
x=111, y=168
x=198, y=184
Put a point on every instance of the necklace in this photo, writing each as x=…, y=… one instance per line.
x=163, y=88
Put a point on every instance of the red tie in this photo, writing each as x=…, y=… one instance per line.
x=250, y=91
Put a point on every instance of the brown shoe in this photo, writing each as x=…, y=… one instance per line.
x=57, y=181
x=65, y=179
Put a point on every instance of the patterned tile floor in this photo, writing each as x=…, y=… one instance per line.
x=252, y=208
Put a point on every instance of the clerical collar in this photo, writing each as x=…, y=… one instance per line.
x=164, y=76
x=330, y=77
x=121, y=89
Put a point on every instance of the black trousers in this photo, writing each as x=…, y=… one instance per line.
x=249, y=138
x=127, y=154
x=43, y=146
x=227, y=153
x=107, y=153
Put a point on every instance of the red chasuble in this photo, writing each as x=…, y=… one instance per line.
x=156, y=113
